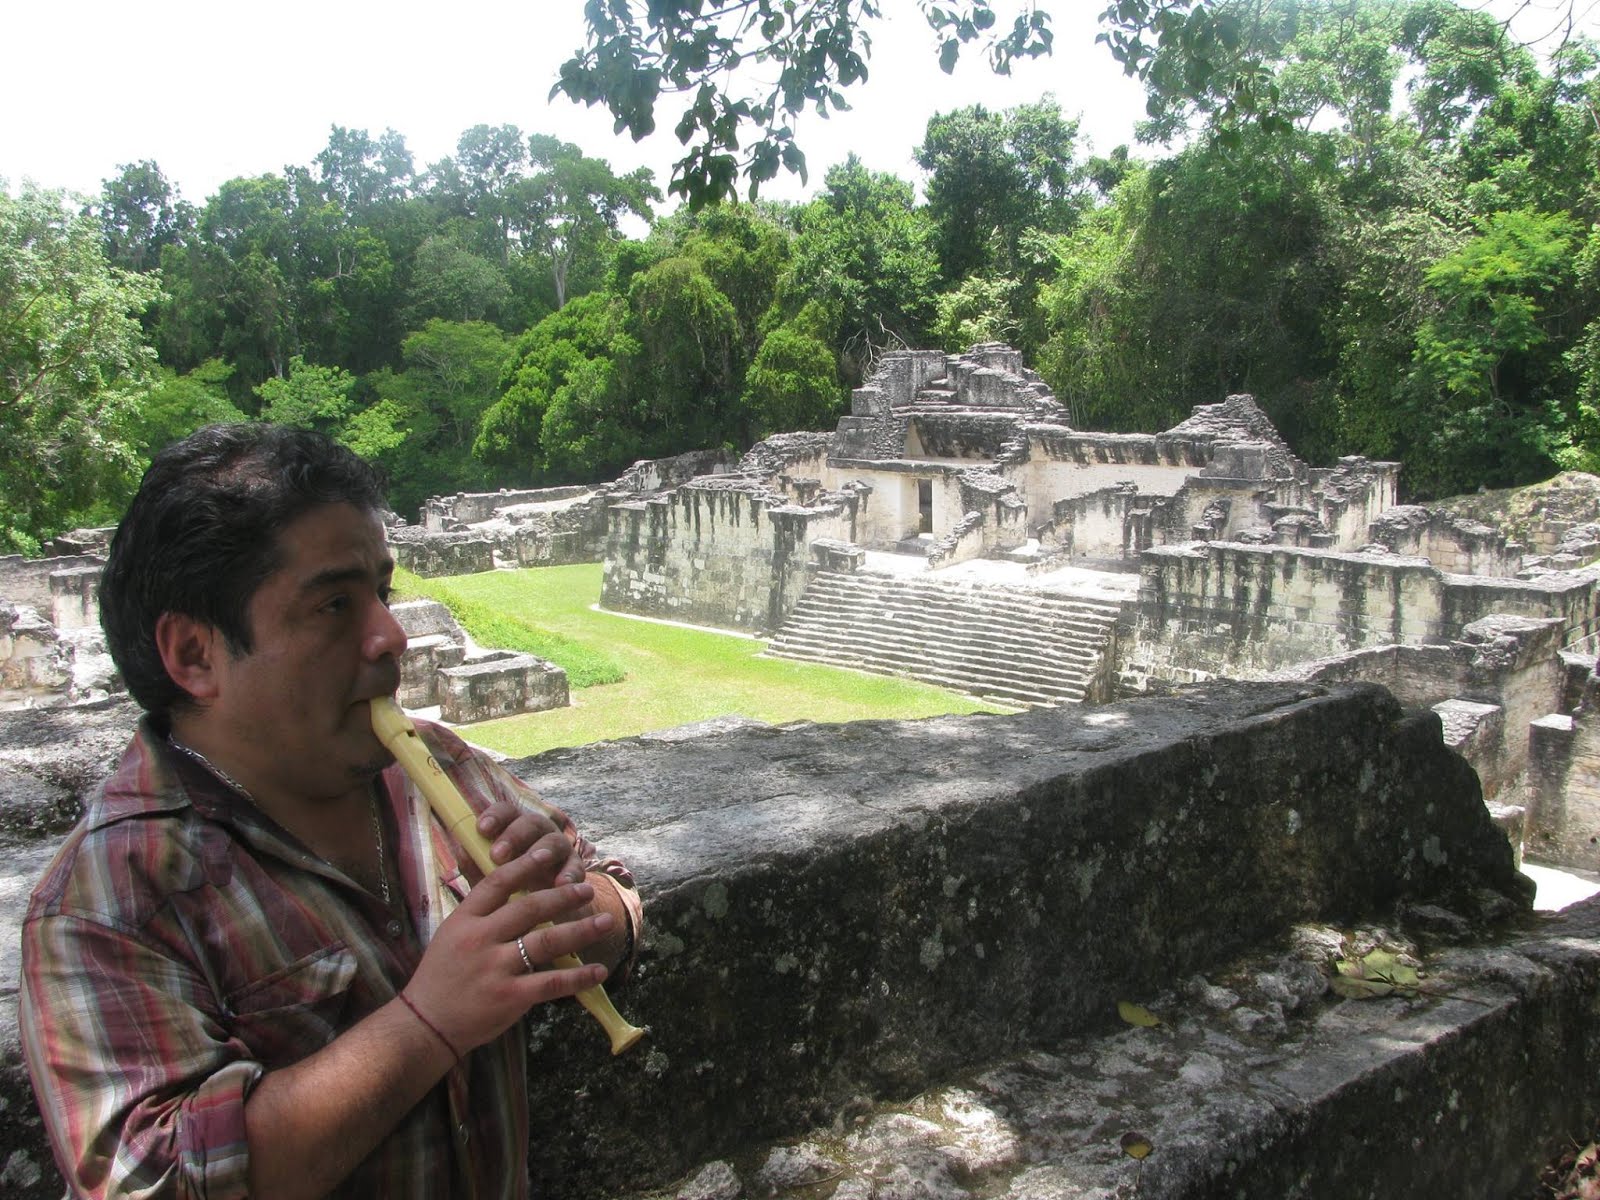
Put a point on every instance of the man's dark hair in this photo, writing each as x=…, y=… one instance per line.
x=202, y=535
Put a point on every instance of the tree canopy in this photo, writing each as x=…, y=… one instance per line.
x=73, y=364
x=1380, y=219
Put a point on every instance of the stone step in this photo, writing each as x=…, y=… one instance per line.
x=938, y=589
x=990, y=625
x=1036, y=609
x=880, y=607
x=945, y=621
x=909, y=659
x=1021, y=694
x=1016, y=647
x=937, y=627
x=996, y=607
x=923, y=640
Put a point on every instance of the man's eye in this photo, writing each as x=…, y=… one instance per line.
x=337, y=605
x=384, y=594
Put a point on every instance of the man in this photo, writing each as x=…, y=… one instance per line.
x=255, y=967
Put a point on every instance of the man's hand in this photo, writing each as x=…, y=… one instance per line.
x=472, y=982
x=515, y=830
x=310, y=1124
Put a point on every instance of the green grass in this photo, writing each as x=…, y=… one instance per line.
x=493, y=627
x=673, y=675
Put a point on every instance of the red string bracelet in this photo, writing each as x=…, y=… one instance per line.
x=432, y=1028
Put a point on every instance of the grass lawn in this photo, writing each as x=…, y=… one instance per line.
x=673, y=675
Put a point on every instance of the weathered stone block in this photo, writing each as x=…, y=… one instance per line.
x=424, y=658
x=500, y=687
x=75, y=597
x=1143, y=841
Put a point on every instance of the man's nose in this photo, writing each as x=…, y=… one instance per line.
x=384, y=634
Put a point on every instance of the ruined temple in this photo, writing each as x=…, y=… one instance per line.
x=886, y=959
x=956, y=528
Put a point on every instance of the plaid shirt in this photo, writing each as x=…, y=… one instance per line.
x=182, y=944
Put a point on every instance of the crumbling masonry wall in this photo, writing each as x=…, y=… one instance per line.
x=1564, y=784
x=1239, y=610
x=1509, y=665
x=27, y=580
x=472, y=532
x=717, y=552
x=1451, y=543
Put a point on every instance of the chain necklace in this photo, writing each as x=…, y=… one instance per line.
x=372, y=803
x=377, y=837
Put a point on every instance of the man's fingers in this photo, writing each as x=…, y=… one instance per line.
x=559, y=982
x=514, y=829
x=523, y=913
x=525, y=873
x=546, y=944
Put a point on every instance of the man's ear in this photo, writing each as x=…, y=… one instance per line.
x=189, y=650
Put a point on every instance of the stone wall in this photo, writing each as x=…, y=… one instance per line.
x=1564, y=784
x=963, y=436
x=445, y=514
x=34, y=664
x=1508, y=664
x=1542, y=516
x=1116, y=523
x=888, y=510
x=650, y=475
x=842, y=914
x=718, y=552
x=433, y=556
x=75, y=597
x=896, y=382
x=1452, y=543
x=95, y=541
x=27, y=580
x=1241, y=610
x=1063, y=463
x=1350, y=496
x=501, y=684
x=798, y=455
x=471, y=532
x=434, y=639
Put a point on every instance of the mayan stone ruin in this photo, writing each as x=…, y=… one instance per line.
x=1263, y=716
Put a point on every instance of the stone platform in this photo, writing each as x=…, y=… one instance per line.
x=1258, y=1084
x=844, y=917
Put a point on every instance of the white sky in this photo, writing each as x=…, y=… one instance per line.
x=214, y=90
x=211, y=90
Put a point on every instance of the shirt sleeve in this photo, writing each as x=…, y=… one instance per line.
x=144, y=1092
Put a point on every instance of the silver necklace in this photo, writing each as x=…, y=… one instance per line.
x=377, y=836
x=212, y=767
x=372, y=804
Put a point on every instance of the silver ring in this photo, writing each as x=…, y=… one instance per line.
x=526, y=961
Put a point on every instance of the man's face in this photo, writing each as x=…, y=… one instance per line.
x=292, y=713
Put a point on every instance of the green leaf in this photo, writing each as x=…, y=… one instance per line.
x=1135, y=1014
x=1136, y=1145
x=1380, y=972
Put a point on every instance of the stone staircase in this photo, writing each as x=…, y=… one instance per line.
x=939, y=396
x=1020, y=647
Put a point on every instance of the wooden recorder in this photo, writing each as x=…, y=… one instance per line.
x=395, y=730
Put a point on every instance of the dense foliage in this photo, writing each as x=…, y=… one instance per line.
x=1379, y=218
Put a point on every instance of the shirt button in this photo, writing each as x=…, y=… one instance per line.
x=392, y=929
x=463, y=1134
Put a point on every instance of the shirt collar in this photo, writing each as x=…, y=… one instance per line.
x=154, y=778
